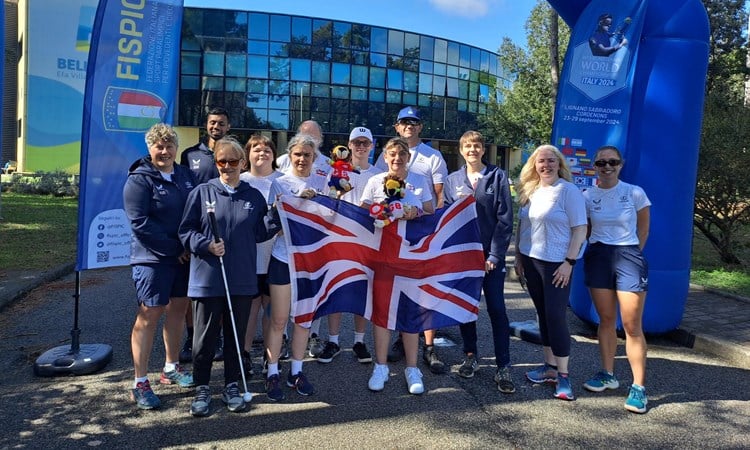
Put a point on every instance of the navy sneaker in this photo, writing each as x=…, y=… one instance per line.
x=144, y=397
x=202, y=401
x=542, y=374
x=232, y=398
x=300, y=384
x=273, y=388
x=563, y=390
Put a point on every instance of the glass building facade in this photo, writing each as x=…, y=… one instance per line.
x=272, y=71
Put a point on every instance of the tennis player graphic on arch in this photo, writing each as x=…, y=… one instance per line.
x=634, y=77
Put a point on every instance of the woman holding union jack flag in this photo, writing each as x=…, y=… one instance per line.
x=417, y=201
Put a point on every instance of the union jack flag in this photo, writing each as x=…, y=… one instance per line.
x=409, y=276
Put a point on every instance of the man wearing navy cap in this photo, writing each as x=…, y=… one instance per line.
x=429, y=163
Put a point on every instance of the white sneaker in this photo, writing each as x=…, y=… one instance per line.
x=414, y=380
x=379, y=377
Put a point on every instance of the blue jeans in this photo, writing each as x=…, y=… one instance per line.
x=493, y=286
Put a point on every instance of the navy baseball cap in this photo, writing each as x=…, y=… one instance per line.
x=408, y=113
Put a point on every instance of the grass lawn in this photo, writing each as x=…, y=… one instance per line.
x=39, y=232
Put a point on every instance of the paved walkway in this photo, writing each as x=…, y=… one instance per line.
x=715, y=323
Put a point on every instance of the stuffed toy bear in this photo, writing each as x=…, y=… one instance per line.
x=341, y=163
x=392, y=208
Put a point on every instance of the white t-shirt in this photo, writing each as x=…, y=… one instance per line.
x=358, y=182
x=263, y=184
x=289, y=184
x=320, y=164
x=552, y=212
x=426, y=161
x=613, y=213
x=417, y=190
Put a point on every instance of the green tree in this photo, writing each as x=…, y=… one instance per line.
x=723, y=187
x=524, y=115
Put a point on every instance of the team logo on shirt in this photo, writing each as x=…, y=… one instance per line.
x=490, y=189
x=196, y=164
x=248, y=206
x=188, y=185
x=160, y=189
x=210, y=206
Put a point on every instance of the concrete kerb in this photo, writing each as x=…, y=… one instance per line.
x=12, y=290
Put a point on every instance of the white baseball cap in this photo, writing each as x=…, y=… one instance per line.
x=360, y=132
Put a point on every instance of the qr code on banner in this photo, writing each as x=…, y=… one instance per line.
x=102, y=257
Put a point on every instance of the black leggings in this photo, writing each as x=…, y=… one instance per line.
x=551, y=304
x=207, y=315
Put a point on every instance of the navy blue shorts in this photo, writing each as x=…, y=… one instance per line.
x=155, y=284
x=615, y=267
x=278, y=272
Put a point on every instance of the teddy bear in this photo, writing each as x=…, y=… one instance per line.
x=392, y=208
x=341, y=163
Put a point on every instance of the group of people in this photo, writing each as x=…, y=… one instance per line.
x=207, y=230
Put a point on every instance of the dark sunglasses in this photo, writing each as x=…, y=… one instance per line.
x=406, y=122
x=604, y=162
x=230, y=162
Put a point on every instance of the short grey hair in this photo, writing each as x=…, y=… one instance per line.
x=230, y=143
x=304, y=140
x=161, y=132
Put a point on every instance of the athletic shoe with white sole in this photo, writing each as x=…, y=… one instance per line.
x=542, y=374
x=202, y=401
x=179, y=376
x=144, y=397
x=380, y=375
x=361, y=352
x=273, y=388
x=329, y=352
x=504, y=381
x=563, y=389
x=300, y=384
x=637, y=400
x=233, y=398
x=414, y=380
x=468, y=367
x=601, y=381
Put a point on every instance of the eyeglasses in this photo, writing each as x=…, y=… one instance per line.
x=604, y=162
x=407, y=122
x=361, y=143
x=230, y=162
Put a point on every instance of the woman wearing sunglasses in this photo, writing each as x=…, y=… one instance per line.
x=616, y=272
x=239, y=210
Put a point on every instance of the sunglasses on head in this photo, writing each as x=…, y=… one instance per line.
x=406, y=122
x=230, y=162
x=604, y=162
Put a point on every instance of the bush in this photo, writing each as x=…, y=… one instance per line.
x=58, y=184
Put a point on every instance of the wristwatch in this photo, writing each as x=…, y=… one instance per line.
x=570, y=261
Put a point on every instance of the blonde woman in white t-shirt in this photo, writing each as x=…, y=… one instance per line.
x=551, y=234
x=616, y=272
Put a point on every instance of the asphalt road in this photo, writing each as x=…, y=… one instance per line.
x=696, y=401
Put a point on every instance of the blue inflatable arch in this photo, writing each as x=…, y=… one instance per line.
x=659, y=139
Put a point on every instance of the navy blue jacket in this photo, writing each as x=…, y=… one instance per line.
x=494, y=208
x=154, y=207
x=240, y=224
x=200, y=159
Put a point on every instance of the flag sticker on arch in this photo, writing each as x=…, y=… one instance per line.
x=410, y=276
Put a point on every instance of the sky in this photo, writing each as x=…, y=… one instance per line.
x=481, y=23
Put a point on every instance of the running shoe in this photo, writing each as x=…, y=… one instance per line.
x=300, y=384
x=563, y=390
x=430, y=357
x=201, y=402
x=273, y=388
x=233, y=398
x=397, y=351
x=144, y=397
x=329, y=352
x=542, y=374
x=600, y=381
x=314, y=346
x=504, y=381
x=468, y=367
x=414, y=380
x=179, y=376
x=637, y=400
x=380, y=375
x=361, y=352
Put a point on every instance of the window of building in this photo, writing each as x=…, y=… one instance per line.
x=236, y=65
x=257, y=66
x=340, y=73
x=258, y=27
x=396, y=42
x=425, y=83
x=379, y=40
x=280, y=28
x=278, y=68
x=395, y=79
x=426, y=48
x=301, y=27
x=257, y=47
x=453, y=53
x=213, y=63
x=190, y=63
x=300, y=69
x=359, y=75
x=322, y=33
x=342, y=35
x=441, y=50
x=377, y=77
x=410, y=81
x=321, y=72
